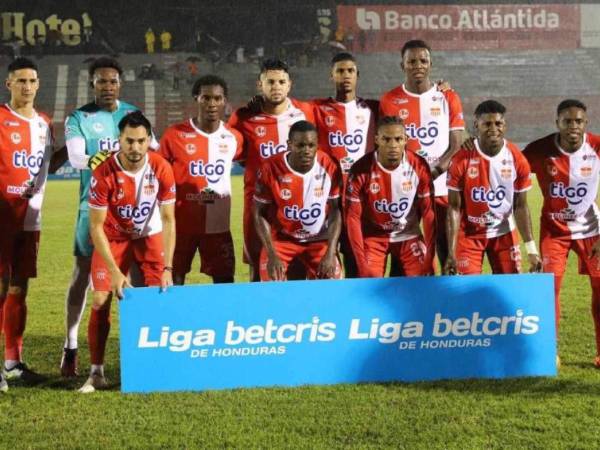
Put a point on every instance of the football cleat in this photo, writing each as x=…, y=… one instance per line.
x=23, y=373
x=3, y=384
x=93, y=383
x=68, y=363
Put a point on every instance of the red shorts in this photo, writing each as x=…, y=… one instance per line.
x=503, y=253
x=217, y=256
x=409, y=254
x=252, y=244
x=309, y=254
x=146, y=252
x=556, y=250
x=18, y=254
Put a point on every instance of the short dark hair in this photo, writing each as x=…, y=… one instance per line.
x=274, y=64
x=342, y=56
x=104, y=62
x=302, y=126
x=570, y=103
x=134, y=120
x=490, y=107
x=22, y=63
x=414, y=43
x=208, y=80
x=389, y=120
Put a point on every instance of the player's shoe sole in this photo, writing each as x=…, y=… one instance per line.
x=23, y=373
x=68, y=363
x=93, y=383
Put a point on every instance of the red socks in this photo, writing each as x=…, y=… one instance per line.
x=98, y=329
x=15, y=317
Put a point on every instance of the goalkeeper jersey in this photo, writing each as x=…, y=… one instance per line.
x=100, y=129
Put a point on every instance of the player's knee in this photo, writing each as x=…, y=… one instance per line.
x=18, y=286
x=101, y=300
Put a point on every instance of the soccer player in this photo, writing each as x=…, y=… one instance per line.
x=487, y=194
x=389, y=194
x=434, y=123
x=265, y=135
x=297, y=212
x=26, y=157
x=201, y=151
x=132, y=218
x=91, y=134
x=567, y=167
x=346, y=127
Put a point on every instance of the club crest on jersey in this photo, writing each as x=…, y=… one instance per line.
x=351, y=141
x=426, y=134
x=190, y=149
x=375, y=188
x=307, y=216
x=268, y=149
x=149, y=189
x=212, y=172
x=472, y=172
x=32, y=163
x=318, y=192
x=403, y=114
x=492, y=197
x=506, y=173
x=285, y=194
x=330, y=121
x=435, y=111
x=98, y=127
x=586, y=171
x=223, y=148
x=407, y=186
x=574, y=194
x=15, y=137
x=396, y=210
x=260, y=131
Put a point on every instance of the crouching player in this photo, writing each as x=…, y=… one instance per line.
x=487, y=193
x=389, y=193
x=131, y=200
x=296, y=208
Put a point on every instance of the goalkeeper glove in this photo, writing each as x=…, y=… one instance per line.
x=97, y=159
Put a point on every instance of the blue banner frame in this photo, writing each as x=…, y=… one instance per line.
x=337, y=331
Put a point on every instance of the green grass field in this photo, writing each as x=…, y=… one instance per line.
x=540, y=413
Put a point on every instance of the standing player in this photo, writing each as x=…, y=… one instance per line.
x=201, y=151
x=91, y=134
x=132, y=218
x=265, y=135
x=434, y=122
x=389, y=193
x=487, y=195
x=26, y=156
x=346, y=126
x=567, y=167
x=297, y=212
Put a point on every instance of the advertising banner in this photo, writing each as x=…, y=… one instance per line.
x=462, y=27
x=345, y=331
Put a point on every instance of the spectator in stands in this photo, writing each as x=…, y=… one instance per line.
x=150, y=39
x=192, y=71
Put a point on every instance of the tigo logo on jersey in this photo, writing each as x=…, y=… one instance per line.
x=137, y=214
x=32, y=163
x=425, y=134
x=307, y=216
x=269, y=149
x=15, y=137
x=573, y=194
x=108, y=144
x=212, y=172
x=490, y=196
x=351, y=141
x=395, y=209
x=260, y=131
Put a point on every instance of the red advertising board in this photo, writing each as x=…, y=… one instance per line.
x=456, y=27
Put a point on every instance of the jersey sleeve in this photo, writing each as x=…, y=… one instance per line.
x=456, y=173
x=239, y=142
x=165, y=147
x=354, y=187
x=457, y=118
x=73, y=127
x=262, y=191
x=385, y=106
x=99, y=190
x=235, y=122
x=523, y=180
x=336, y=182
x=425, y=187
x=166, y=187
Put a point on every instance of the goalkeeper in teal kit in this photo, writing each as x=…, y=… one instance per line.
x=91, y=134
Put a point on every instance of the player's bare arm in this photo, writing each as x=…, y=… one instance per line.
x=429, y=229
x=328, y=264
x=353, y=215
x=167, y=217
x=275, y=267
x=118, y=279
x=523, y=220
x=456, y=142
x=58, y=159
x=452, y=227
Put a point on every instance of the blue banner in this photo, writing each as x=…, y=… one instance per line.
x=345, y=331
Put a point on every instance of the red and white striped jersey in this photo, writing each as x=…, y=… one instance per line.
x=346, y=130
x=132, y=199
x=266, y=135
x=26, y=147
x=488, y=185
x=298, y=201
x=429, y=118
x=202, y=167
x=569, y=184
x=390, y=199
